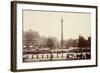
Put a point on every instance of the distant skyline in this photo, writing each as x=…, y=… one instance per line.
x=49, y=23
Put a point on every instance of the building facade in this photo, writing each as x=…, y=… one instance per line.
x=31, y=40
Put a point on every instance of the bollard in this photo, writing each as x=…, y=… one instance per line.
x=62, y=55
x=57, y=55
x=37, y=56
x=42, y=56
x=32, y=57
x=47, y=56
x=27, y=56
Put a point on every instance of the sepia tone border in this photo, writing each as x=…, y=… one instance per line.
x=14, y=35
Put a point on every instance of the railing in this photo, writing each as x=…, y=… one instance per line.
x=51, y=56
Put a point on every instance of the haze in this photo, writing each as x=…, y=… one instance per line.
x=49, y=23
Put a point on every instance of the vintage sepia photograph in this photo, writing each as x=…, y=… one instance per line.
x=47, y=36
x=55, y=36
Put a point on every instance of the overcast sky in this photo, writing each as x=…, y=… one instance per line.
x=49, y=23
